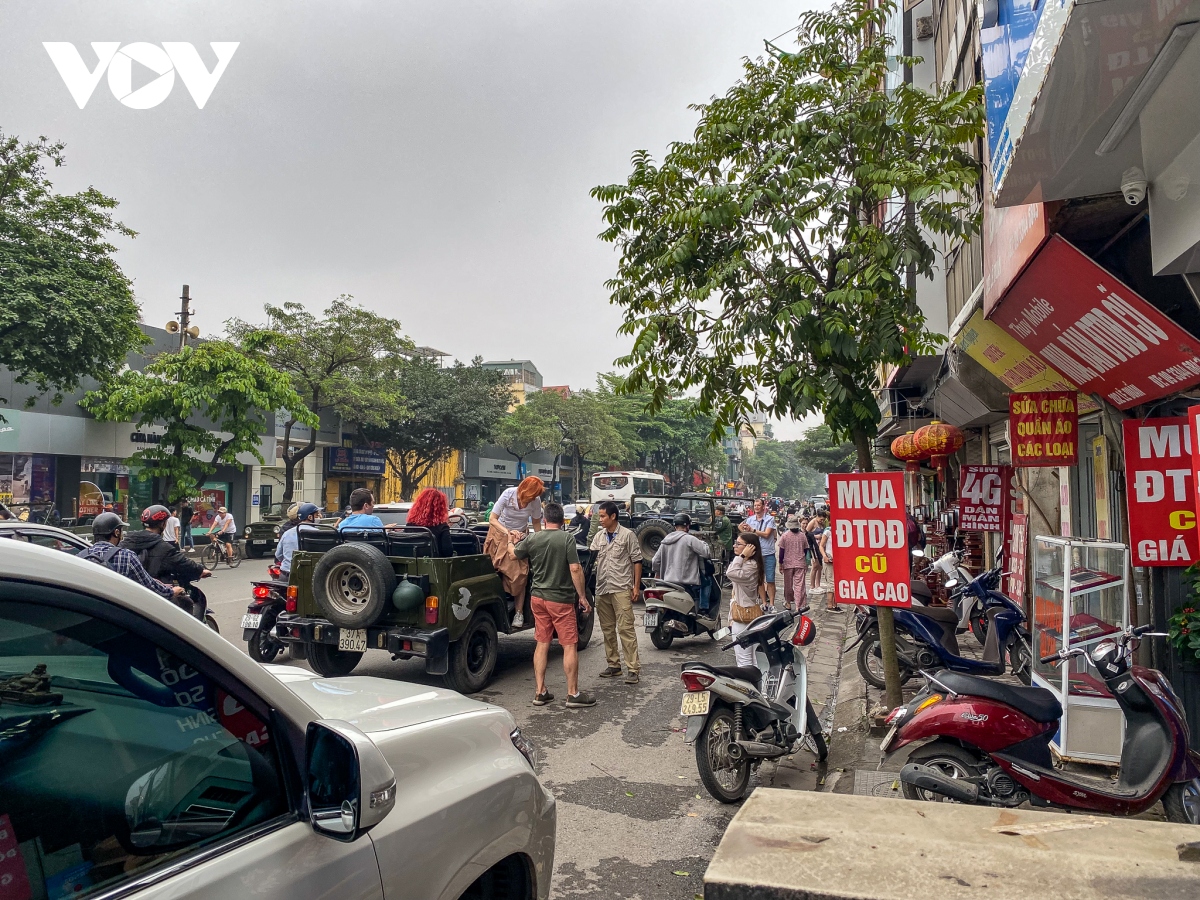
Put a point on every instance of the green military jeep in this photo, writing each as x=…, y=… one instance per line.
x=354, y=591
x=650, y=516
x=262, y=536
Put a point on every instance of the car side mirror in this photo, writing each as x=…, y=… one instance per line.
x=347, y=781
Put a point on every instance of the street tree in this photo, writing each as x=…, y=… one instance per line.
x=774, y=468
x=821, y=451
x=67, y=311
x=586, y=429
x=769, y=264
x=337, y=363
x=524, y=432
x=212, y=402
x=445, y=409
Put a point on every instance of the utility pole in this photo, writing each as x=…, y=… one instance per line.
x=185, y=314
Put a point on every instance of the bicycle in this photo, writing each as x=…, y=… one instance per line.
x=214, y=554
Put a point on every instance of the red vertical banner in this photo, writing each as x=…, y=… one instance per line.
x=1044, y=428
x=1160, y=487
x=14, y=880
x=1018, y=540
x=870, y=541
x=1194, y=434
x=984, y=495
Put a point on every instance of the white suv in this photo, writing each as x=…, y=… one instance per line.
x=141, y=755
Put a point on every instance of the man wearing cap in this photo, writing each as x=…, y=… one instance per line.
x=289, y=541
x=679, y=560
x=225, y=529
x=107, y=530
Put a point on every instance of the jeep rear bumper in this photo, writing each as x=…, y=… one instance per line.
x=402, y=641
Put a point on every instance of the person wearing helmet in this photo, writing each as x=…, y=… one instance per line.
x=107, y=530
x=161, y=558
x=679, y=560
x=289, y=541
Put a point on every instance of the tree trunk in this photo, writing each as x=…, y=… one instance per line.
x=885, y=617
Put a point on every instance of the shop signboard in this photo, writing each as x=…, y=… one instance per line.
x=10, y=429
x=1011, y=237
x=498, y=468
x=1158, y=483
x=1100, y=484
x=984, y=497
x=1018, y=540
x=870, y=540
x=354, y=461
x=1096, y=331
x=1043, y=429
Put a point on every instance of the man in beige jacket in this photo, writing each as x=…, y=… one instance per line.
x=618, y=583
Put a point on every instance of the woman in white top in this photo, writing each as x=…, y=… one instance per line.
x=747, y=576
x=507, y=525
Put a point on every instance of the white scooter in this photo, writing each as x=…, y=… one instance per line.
x=740, y=715
x=671, y=612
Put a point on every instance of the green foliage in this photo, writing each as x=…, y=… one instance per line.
x=1183, y=628
x=66, y=309
x=775, y=468
x=450, y=409
x=212, y=402
x=340, y=362
x=821, y=452
x=763, y=263
x=585, y=425
x=524, y=432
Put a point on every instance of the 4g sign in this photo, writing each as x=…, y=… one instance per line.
x=870, y=540
x=1159, y=483
x=985, y=496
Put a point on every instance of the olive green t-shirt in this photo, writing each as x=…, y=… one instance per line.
x=550, y=552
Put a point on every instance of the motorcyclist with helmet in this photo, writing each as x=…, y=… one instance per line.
x=289, y=540
x=161, y=558
x=107, y=530
x=680, y=560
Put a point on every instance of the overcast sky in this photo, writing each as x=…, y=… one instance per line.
x=433, y=159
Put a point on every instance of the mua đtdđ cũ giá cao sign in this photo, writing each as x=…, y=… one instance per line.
x=870, y=541
x=1159, y=484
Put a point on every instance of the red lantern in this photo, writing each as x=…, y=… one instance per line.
x=939, y=441
x=904, y=448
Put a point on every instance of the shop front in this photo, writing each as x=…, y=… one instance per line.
x=350, y=468
x=488, y=471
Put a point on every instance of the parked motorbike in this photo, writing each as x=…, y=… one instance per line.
x=737, y=716
x=991, y=741
x=258, y=624
x=927, y=637
x=671, y=612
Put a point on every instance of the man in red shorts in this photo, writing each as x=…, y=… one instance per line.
x=557, y=584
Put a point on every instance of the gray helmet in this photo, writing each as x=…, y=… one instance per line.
x=106, y=523
x=682, y=519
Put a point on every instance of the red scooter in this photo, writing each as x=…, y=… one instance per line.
x=991, y=741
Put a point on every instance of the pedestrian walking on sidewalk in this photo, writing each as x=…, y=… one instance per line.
x=763, y=524
x=793, y=561
x=749, y=590
x=618, y=583
x=557, y=579
x=824, y=589
x=186, y=513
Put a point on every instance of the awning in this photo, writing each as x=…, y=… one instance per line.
x=1096, y=331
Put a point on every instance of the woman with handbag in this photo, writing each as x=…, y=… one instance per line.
x=746, y=574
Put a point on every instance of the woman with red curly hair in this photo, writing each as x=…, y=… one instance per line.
x=430, y=510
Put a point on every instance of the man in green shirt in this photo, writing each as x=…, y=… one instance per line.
x=723, y=529
x=557, y=584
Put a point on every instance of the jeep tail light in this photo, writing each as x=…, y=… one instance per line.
x=431, y=610
x=696, y=681
x=261, y=592
x=292, y=593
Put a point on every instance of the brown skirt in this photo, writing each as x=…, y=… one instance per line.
x=513, y=572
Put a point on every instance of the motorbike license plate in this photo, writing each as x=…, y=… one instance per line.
x=352, y=639
x=695, y=703
x=650, y=620
x=883, y=746
x=251, y=620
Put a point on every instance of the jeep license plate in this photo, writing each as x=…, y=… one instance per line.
x=695, y=703
x=650, y=620
x=251, y=620
x=352, y=639
x=260, y=542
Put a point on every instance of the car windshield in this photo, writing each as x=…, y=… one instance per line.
x=392, y=516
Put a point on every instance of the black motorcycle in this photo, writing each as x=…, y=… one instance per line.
x=258, y=624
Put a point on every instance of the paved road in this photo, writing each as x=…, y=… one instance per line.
x=631, y=810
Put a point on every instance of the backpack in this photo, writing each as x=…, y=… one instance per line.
x=108, y=553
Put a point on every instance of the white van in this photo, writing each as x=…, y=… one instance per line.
x=623, y=485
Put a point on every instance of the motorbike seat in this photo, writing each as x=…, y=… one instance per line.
x=947, y=620
x=751, y=674
x=1037, y=703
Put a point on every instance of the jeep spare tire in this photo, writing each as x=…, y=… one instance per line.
x=650, y=534
x=353, y=583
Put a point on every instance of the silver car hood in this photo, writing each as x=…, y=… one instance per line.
x=374, y=704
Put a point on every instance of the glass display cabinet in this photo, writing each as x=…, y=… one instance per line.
x=1080, y=596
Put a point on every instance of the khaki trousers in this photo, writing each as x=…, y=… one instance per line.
x=615, y=612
